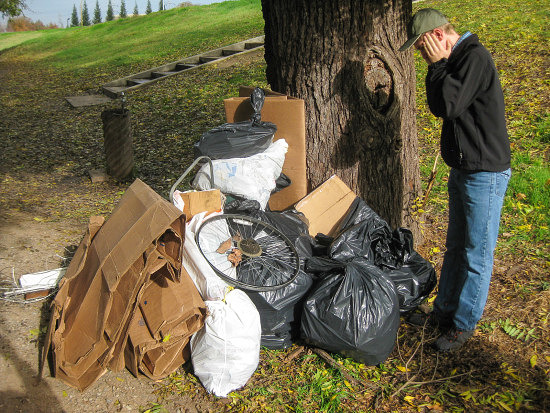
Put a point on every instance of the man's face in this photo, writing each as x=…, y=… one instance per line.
x=419, y=45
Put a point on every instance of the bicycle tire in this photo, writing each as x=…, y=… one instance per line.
x=268, y=259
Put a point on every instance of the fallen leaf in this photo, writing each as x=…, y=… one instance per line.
x=224, y=246
x=533, y=360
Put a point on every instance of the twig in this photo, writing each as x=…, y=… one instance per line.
x=421, y=383
x=407, y=383
x=430, y=182
x=325, y=356
x=294, y=353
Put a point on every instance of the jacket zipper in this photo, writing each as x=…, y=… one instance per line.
x=460, y=155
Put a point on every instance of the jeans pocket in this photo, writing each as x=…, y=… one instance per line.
x=502, y=179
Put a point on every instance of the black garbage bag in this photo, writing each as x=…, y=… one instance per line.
x=240, y=139
x=281, y=183
x=352, y=310
x=280, y=310
x=364, y=234
x=414, y=276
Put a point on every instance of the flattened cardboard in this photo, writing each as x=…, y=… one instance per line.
x=288, y=114
x=326, y=206
x=91, y=312
x=195, y=202
x=161, y=327
x=166, y=305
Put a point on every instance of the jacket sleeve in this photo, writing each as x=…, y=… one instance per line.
x=450, y=92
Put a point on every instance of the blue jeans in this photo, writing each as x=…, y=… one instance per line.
x=475, y=202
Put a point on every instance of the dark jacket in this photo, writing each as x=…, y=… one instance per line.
x=465, y=91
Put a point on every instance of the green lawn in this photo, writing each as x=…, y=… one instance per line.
x=8, y=40
x=151, y=39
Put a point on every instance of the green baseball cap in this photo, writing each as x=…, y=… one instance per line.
x=423, y=21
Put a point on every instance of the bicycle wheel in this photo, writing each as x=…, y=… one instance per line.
x=248, y=253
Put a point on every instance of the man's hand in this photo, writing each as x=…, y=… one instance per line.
x=433, y=49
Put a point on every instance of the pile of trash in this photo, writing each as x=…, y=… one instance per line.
x=142, y=292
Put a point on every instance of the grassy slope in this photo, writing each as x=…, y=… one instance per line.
x=156, y=38
x=498, y=372
x=9, y=40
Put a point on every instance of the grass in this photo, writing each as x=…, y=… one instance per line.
x=48, y=148
x=9, y=40
x=156, y=38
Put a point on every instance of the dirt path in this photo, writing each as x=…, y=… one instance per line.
x=28, y=245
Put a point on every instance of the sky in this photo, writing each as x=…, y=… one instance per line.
x=58, y=11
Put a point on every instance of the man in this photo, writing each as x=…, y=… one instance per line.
x=463, y=88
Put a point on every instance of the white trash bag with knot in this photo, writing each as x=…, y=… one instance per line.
x=251, y=178
x=226, y=351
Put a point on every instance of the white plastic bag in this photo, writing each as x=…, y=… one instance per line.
x=251, y=178
x=226, y=351
x=210, y=286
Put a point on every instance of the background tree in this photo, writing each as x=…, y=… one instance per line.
x=12, y=8
x=341, y=57
x=136, y=11
x=148, y=9
x=97, y=13
x=85, y=15
x=122, y=10
x=74, y=18
x=161, y=5
x=110, y=16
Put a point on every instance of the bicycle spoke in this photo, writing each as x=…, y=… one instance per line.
x=275, y=266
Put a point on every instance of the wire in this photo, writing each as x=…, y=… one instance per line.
x=13, y=292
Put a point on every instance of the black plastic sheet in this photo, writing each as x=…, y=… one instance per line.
x=239, y=139
x=352, y=310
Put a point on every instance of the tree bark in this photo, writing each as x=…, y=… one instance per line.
x=342, y=58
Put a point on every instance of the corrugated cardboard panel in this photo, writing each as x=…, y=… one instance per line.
x=288, y=114
x=99, y=291
x=326, y=206
x=195, y=202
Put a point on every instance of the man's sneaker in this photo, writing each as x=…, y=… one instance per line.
x=453, y=339
x=430, y=320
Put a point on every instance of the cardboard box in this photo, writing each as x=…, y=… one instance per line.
x=116, y=259
x=289, y=115
x=326, y=206
x=195, y=202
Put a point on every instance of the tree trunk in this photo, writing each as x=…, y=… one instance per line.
x=341, y=57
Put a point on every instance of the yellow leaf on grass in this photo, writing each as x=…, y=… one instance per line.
x=533, y=360
x=431, y=299
x=402, y=368
x=409, y=399
x=64, y=393
x=505, y=406
x=166, y=338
